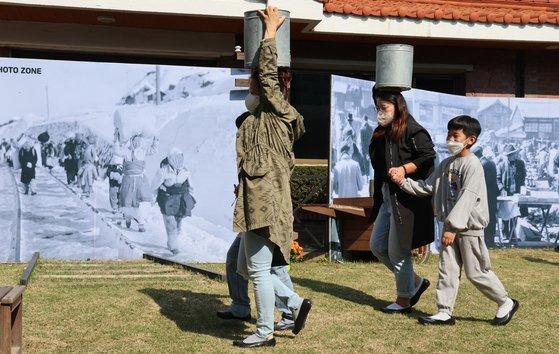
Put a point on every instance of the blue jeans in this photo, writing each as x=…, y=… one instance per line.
x=238, y=286
x=385, y=246
x=255, y=262
x=283, y=276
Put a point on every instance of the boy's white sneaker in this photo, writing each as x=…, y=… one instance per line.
x=441, y=318
x=505, y=308
x=505, y=312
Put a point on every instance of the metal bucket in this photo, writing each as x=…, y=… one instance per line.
x=254, y=32
x=394, y=66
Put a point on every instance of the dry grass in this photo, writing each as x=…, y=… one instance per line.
x=10, y=273
x=171, y=316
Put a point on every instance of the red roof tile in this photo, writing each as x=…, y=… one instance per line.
x=494, y=11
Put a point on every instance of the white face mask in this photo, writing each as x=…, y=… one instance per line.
x=252, y=102
x=454, y=147
x=384, y=118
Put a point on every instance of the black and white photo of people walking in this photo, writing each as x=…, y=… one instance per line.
x=173, y=195
x=520, y=155
x=84, y=160
x=351, y=165
x=28, y=161
x=106, y=183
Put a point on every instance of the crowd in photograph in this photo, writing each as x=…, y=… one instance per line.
x=122, y=164
x=511, y=167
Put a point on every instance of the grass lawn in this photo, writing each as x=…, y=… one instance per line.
x=136, y=306
x=10, y=273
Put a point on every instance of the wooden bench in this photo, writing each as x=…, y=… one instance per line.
x=11, y=311
x=351, y=215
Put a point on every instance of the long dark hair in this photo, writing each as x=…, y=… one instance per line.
x=396, y=130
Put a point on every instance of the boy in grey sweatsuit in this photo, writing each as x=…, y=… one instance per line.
x=460, y=201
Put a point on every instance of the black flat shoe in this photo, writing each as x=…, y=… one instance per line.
x=402, y=310
x=228, y=315
x=424, y=285
x=301, y=316
x=263, y=343
x=501, y=321
x=432, y=321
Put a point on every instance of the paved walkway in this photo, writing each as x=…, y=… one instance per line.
x=61, y=224
x=56, y=223
x=8, y=217
x=198, y=242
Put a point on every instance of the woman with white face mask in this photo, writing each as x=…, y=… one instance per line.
x=263, y=211
x=400, y=147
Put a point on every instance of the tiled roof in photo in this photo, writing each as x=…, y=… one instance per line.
x=490, y=11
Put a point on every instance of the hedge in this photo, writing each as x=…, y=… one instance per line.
x=309, y=182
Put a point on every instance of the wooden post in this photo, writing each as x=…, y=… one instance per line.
x=207, y=272
x=6, y=335
x=29, y=270
x=17, y=327
x=11, y=318
x=5, y=323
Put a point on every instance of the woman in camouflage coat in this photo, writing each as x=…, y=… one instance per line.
x=263, y=212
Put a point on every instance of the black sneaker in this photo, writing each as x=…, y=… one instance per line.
x=501, y=321
x=301, y=314
x=228, y=315
x=432, y=321
x=391, y=310
x=254, y=341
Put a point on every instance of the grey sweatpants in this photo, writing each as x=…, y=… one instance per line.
x=470, y=252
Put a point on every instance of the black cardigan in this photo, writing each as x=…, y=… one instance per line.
x=413, y=215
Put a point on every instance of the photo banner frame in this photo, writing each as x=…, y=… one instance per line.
x=127, y=115
x=524, y=208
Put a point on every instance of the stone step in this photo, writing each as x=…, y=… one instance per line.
x=109, y=276
x=93, y=265
x=139, y=282
x=114, y=271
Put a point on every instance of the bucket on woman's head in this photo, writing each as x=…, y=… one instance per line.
x=394, y=67
x=254, y=32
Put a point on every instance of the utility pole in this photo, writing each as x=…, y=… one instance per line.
x=47, y=98
x=157, y=85
x=509, y=121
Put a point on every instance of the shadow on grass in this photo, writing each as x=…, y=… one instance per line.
x=471, y=319
x=196, y=312
x=348, y=294
x=539, y=260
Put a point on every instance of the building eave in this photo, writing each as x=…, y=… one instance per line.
x=443, y=29
x=300, y=10
x=118, y=40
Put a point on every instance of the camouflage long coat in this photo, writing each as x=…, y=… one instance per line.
x=265, y=159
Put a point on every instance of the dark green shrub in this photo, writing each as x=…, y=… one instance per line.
x=309, y=185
